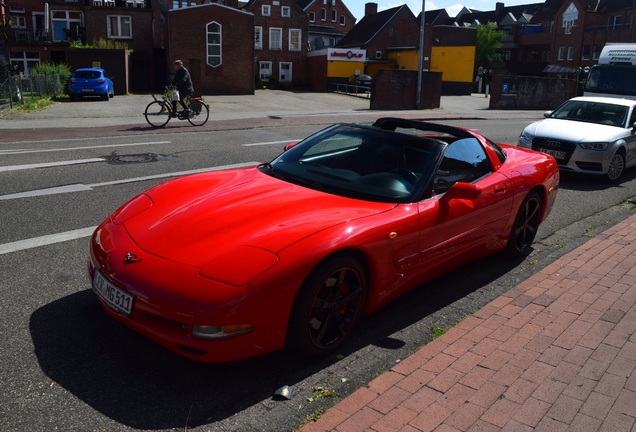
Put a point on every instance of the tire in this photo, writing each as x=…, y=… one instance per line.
x=157, y=114
x=200, y=113
x=616, y=167
x=105, y=97
x=327, y=306
x=525, y=225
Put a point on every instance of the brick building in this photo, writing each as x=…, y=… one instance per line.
x=280, y=40
x=329, y=21
x=214, y=43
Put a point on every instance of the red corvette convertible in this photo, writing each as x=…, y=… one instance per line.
x=231, y=264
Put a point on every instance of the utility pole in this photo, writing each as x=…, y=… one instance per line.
x=418, y=102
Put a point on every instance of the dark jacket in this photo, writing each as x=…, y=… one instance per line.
x=183, y=82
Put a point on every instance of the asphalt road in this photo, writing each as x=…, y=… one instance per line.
x=67, y=366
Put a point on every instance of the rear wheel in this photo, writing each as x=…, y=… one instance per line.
x=616, y=167
x=525, y=226
x=105, y=97
x=157, y=114
x=327, y=306
x=200, y=113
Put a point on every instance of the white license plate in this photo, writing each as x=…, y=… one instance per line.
x=554, y=153
x=87, y=90
x=114, y=296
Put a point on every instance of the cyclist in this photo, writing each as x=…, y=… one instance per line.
x=183, y=83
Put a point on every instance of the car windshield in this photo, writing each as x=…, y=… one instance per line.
x=592, y=112
x=87, y=74
x=360, y=162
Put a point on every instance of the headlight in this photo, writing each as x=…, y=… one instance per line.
x=599, y=146
x=220, y=332
x=525, y=139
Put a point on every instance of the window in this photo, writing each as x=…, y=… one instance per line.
x=24, y=60
x=614, y=23
x=266, y=10
x=119, y=27
x=265, y=70
x=258, y=37
x=342, y=20
x=597, y=52
x=17, y=21
x=561, y=52
x=275, y=38
x=323, y=14
x=552, y=27
x=175, y=4
x=569, y=18
x=294, y=39
x=65, y=24
x=285, y=74
x=284, y=12
x=333, y=2
x=586, y=52
x=334, y=15
x=213, y=31
x=465, y=161
x=378, y=54
x=312, y=16
x=570, y=53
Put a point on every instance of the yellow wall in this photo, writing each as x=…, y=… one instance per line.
x=455, y=62
x=343, y=69
x=408, y=60
x=373, y=68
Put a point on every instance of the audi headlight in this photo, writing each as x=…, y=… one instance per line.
x=598, y=146
x=525, y=139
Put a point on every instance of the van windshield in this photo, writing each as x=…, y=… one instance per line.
x=611, y=80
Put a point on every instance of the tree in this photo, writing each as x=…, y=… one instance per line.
x=488, y=41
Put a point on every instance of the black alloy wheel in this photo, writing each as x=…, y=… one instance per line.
x=525, y=226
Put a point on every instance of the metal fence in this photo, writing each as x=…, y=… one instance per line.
x=14, y=88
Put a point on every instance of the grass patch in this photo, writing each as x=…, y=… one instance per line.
x=30, y=105
x=437, y=331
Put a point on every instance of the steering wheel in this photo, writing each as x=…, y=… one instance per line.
x=406, y=174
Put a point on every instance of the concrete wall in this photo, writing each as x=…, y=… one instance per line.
x=394, y=89
x=530, y=93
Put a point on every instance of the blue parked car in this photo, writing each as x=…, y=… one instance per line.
x=90, y=82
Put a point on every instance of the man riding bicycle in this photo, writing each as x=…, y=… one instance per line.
x=182, y=83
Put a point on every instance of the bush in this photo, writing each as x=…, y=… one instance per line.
x=62, y=70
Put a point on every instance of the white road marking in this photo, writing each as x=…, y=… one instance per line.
x=24, y=151
x=49, y=164
x=271, y=142
x=45, y=240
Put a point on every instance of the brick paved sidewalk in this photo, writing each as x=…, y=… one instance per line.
x=556, y=353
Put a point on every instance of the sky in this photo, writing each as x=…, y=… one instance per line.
x=356, y=7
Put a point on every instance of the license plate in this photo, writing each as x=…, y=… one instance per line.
x=554, y=153
x=87, y=90
x=114, y=296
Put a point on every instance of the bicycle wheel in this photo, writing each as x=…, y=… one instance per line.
x=157, y=113
x=200, y=113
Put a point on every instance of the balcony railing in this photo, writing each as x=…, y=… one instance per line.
x=17, y=35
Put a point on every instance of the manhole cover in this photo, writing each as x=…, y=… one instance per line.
x=117, y=159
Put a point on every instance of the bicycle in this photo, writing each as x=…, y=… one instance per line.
x=159, y=112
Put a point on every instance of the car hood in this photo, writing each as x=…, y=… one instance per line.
x=197, y=218
x=575, y=131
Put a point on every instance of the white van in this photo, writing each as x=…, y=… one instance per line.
x=615, y=73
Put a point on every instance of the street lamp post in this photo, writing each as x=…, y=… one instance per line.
x=418, y=102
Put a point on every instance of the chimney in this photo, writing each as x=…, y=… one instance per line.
x=370, y=9
x=232, y=3
x=499, y=7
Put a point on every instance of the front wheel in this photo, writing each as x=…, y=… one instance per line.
x=327, y=306
x=525, y=226
x=616, y=167
x=157, y=114
x=199, y=113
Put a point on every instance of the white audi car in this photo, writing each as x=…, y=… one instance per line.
x=591, y=135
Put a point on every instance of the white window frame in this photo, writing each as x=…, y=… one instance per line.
x=596, y=52
x=266, y=10
x=213, y=48
x=343, y=20
x=292, y=33
x=378, y=54
x=25, y=60
x=312, y=16
x=333, y=2
x=274, y=43
x=281, y=68
x=285, y=11
x=120, y=22
x=561, y=53
x=323, y=14
x=261, y=68
x=258, y=37
x=70, y=17
x=334, y=15
x=570, y=53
